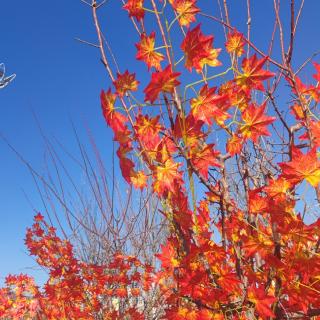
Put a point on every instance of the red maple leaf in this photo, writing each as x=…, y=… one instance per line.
x=207, y=106
x=198, y=50
x=188, y=129
x=147, y=130
x=167, y=177
x=125, y=82
x=162, y=81
x=135, y=9
x=314, y=127
x=235, y=43
x=262, y=301
x=317, y=75
x=168, y=254
x=139, y=180
x=255, y=122
x=253, y=74
x=147, y=53
x=203, y=158
x=126, y=165
x=114, y=119
x=234, y=145
x=186, y=11
x=302, y=166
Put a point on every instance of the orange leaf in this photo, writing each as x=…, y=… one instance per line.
x=204, y=158
x=198, y=50
x=135, y=9
x=114, y=119
x=302, y=166
x=234, y=145
x=125, y=82
x=208, y=105
x=147, y=53
x=255, y=122
x=262, y=301
x=186, y=11
x=253, y=74
x=317, y=75
x=168, y=254
x=167, y=176
x=162, y=81
x=139, y=180
x=235, y=43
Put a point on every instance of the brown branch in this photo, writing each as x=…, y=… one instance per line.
x=292, y=32
x=248, y=26
x=98, y=29
x=298, y=16
x=276, y=10
x=226, y=12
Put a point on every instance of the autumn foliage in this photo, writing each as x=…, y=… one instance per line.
x=74, y=290
x=236, y=173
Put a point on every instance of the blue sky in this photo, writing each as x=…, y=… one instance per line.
x=60, y=79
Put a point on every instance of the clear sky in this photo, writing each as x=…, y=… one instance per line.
x=60, y=79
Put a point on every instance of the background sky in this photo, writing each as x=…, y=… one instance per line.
x=60, y=80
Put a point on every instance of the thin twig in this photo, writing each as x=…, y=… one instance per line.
x=87, y=42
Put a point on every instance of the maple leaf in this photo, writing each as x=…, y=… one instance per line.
x=257, y=203
x=302, y=166
x=121, y=292
x=255, y=122
x=297, y=111
x=167, y=177
x=304, y=92
x=135, y=292
x=314, y=127
x=181, y=313
x=211, y=60
x=168, y=254
x=300, y=89
x=186, y=10
x=198, y=50
x=204, y=157
x=135, y=9
x=162, y=81
x=188, y=129
x=139, y=180
x=228, y=280
x=147, y=130
x=317, y=75
x=123, y=137
x=236, y=95
x=277, y=188
x=253, y=74
x=207, y=106
x=114, y=119
x=203, y=220
x=234, y=145
x=235, y=43
x=165, y=149
x=39, y=217
x=125, y=82
x=315, y=131
x=262, y=301
x=126, y=165
x=147, y=53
